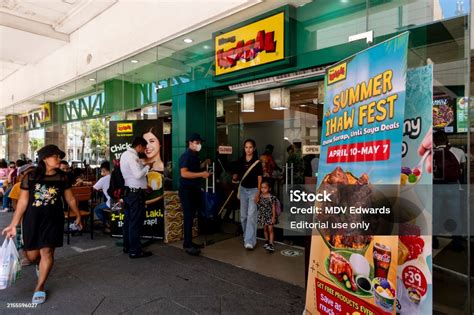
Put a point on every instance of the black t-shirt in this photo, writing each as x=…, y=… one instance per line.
x=251, y=180
x=189, y=160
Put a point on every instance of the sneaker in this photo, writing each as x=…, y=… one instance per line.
x=270, y=248
x=142, y=254
x=192, y=251
x=4, y=210
x=248, y=246
x=266, y=244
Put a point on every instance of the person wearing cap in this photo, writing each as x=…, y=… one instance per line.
x=134, y=174
x=191, y=171
x=40, y=206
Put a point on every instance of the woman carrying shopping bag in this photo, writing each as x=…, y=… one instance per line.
x=41, y=207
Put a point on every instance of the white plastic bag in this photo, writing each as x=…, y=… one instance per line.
x=10, y=265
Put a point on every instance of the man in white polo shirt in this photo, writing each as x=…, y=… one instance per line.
x=134, y=173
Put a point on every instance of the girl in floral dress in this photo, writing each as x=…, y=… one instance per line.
x=267, y=214
x=42, y=209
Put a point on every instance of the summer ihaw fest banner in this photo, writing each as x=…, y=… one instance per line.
x=353, y=266
x=122, y=134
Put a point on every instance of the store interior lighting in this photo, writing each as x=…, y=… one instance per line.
x=219, y=107
x=280, y=99
x=247, y=103
x=166, y=128
x=279, y=80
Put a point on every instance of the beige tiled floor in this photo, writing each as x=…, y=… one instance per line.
x=274, y=265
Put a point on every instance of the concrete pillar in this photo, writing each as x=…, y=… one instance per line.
x=17, y=141
x=56, y=134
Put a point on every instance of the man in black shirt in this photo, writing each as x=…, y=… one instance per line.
x=190, y=188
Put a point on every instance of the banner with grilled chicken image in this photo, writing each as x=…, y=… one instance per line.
x=353, y=260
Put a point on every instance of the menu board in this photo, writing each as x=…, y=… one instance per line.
x=444, y=108
x=462, y=104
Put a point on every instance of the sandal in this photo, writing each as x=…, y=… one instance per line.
x=39, y=297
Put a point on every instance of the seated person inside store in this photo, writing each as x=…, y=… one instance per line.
x=78, y=178
x=103, y=185
x=8, y=185
x=15, y=192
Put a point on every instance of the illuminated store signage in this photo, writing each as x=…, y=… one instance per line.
x=252, y=45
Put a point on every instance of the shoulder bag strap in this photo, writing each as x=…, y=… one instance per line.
x=245, y=175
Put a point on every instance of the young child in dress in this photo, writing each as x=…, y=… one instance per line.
x=267, y=214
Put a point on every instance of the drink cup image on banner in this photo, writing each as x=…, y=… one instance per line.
x=353, y=261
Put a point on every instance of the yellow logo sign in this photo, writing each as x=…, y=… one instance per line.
x=125, y=128
x=337, y=73
x=251, y=45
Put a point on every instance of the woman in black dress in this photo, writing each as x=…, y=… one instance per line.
x=41, y=208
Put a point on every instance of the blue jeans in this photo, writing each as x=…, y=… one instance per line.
x=99, y=212
x=133, y=221
x=248, y=214
x=6, y=198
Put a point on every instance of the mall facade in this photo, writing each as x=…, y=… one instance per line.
x=194, y=83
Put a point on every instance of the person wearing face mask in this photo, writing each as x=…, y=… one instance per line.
x=191, y=171
x=134, y=173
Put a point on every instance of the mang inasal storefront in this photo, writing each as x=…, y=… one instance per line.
x=355, y=130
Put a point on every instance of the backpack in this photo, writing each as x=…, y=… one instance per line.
x=446, y=167
x=117, y=182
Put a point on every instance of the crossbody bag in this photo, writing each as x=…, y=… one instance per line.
x=245, y=175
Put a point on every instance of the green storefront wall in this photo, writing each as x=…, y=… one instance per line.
x=194, y=102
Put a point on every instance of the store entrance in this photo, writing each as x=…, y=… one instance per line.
x=285, y=124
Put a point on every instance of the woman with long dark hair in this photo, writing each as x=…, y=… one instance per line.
x=40, y=206
x=249, y=171
x=155, y=177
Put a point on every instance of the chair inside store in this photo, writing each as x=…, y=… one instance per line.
x=83, y=196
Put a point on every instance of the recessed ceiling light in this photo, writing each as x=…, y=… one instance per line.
x=303, y=105
x=188, y=40
x=91, y=79
x=134, y=61
x=206, y=47
x=62, y=90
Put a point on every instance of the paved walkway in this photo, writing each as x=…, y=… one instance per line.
x=95, y=277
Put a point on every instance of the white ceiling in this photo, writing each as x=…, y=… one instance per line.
x=33, y=29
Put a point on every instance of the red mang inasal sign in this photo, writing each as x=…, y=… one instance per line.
x=251, y=45
x=264, y=42
x=337, y=73
x=124, y=128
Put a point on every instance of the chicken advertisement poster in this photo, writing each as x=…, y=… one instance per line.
x=122, y=134
x=354, y=249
